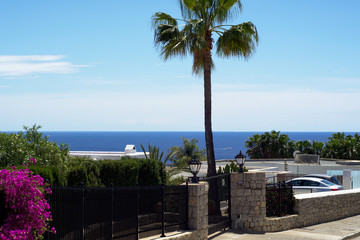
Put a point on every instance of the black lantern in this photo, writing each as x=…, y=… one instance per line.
x=240, y=159
x=194, y=166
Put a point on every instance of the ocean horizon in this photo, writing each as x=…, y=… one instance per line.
x=226, y=144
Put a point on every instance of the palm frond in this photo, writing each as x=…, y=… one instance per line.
x=165, y=27
x=161, y=18
x=240, y=41
x=189, y=9
x=146, y=156
x=225, y=10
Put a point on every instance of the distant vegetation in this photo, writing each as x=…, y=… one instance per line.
x=18, y=148
x=275, y=145
x=55, y=165
x=178, y=157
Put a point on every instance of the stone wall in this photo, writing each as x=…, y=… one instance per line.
x=248, y=202
x=198, y=210
x=248, y=208
x=248, y=205
x=326, y=206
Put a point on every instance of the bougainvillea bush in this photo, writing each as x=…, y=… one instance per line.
x=28, y=213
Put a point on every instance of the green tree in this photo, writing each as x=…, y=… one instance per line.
x=342, y=146
x=253, y=144
x=154, y=153
x=269, y=145
x=193, y=34
x=304, y=147
x=183, y=154
x=17, y=148
x=318, y=147
x=42, y=149
x=12, y=150
x=310, y=147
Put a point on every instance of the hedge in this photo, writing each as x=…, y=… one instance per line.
x=85, y=172
x=50, y=174
x=124, y=172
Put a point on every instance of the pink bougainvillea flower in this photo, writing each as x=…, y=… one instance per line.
x=28, y=212
x=32, y=160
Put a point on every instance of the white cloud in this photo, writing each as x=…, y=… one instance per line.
x=17, y=58
x=104, y=111
x=282, y=110
x=12, y=65
x=286, y=110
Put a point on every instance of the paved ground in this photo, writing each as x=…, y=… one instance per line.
x=347, y=228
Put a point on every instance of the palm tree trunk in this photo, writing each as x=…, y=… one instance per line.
x=208, y=128
x=213, y=188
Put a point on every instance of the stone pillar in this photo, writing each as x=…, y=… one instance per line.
x=198, y=209
x=248, y=201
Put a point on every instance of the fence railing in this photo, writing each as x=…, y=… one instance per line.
x=219, y=207
x=124, y=213
x=279, y=199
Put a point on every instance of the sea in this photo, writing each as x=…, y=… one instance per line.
x=226, y=144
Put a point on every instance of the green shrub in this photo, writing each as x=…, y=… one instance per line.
x=119, y=172
x=150, y=172
x=80, y=171
x=77, y=176
x=50, y=174
x=124, y=172
x=87, y=173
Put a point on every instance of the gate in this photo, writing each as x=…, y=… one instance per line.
x=219, y=203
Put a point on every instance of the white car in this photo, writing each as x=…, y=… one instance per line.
x=312, y=184
x=332, y=179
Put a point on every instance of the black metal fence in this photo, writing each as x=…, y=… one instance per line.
x=123, y=213
x=219, y=205
x=279, y=199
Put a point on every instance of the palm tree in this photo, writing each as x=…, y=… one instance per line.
x=182, y=155
x=254, y=146
x=194, y=35
x=154, y=153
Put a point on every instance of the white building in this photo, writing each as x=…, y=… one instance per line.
x=130, y=151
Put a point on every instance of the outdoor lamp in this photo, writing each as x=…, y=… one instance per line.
x=240, y=159
x=194, y=166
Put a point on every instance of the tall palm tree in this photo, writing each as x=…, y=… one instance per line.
x=193, y=34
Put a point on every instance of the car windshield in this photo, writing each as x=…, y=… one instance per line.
x=327, y=182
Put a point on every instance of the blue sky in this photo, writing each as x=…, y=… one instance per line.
x=89, y=65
